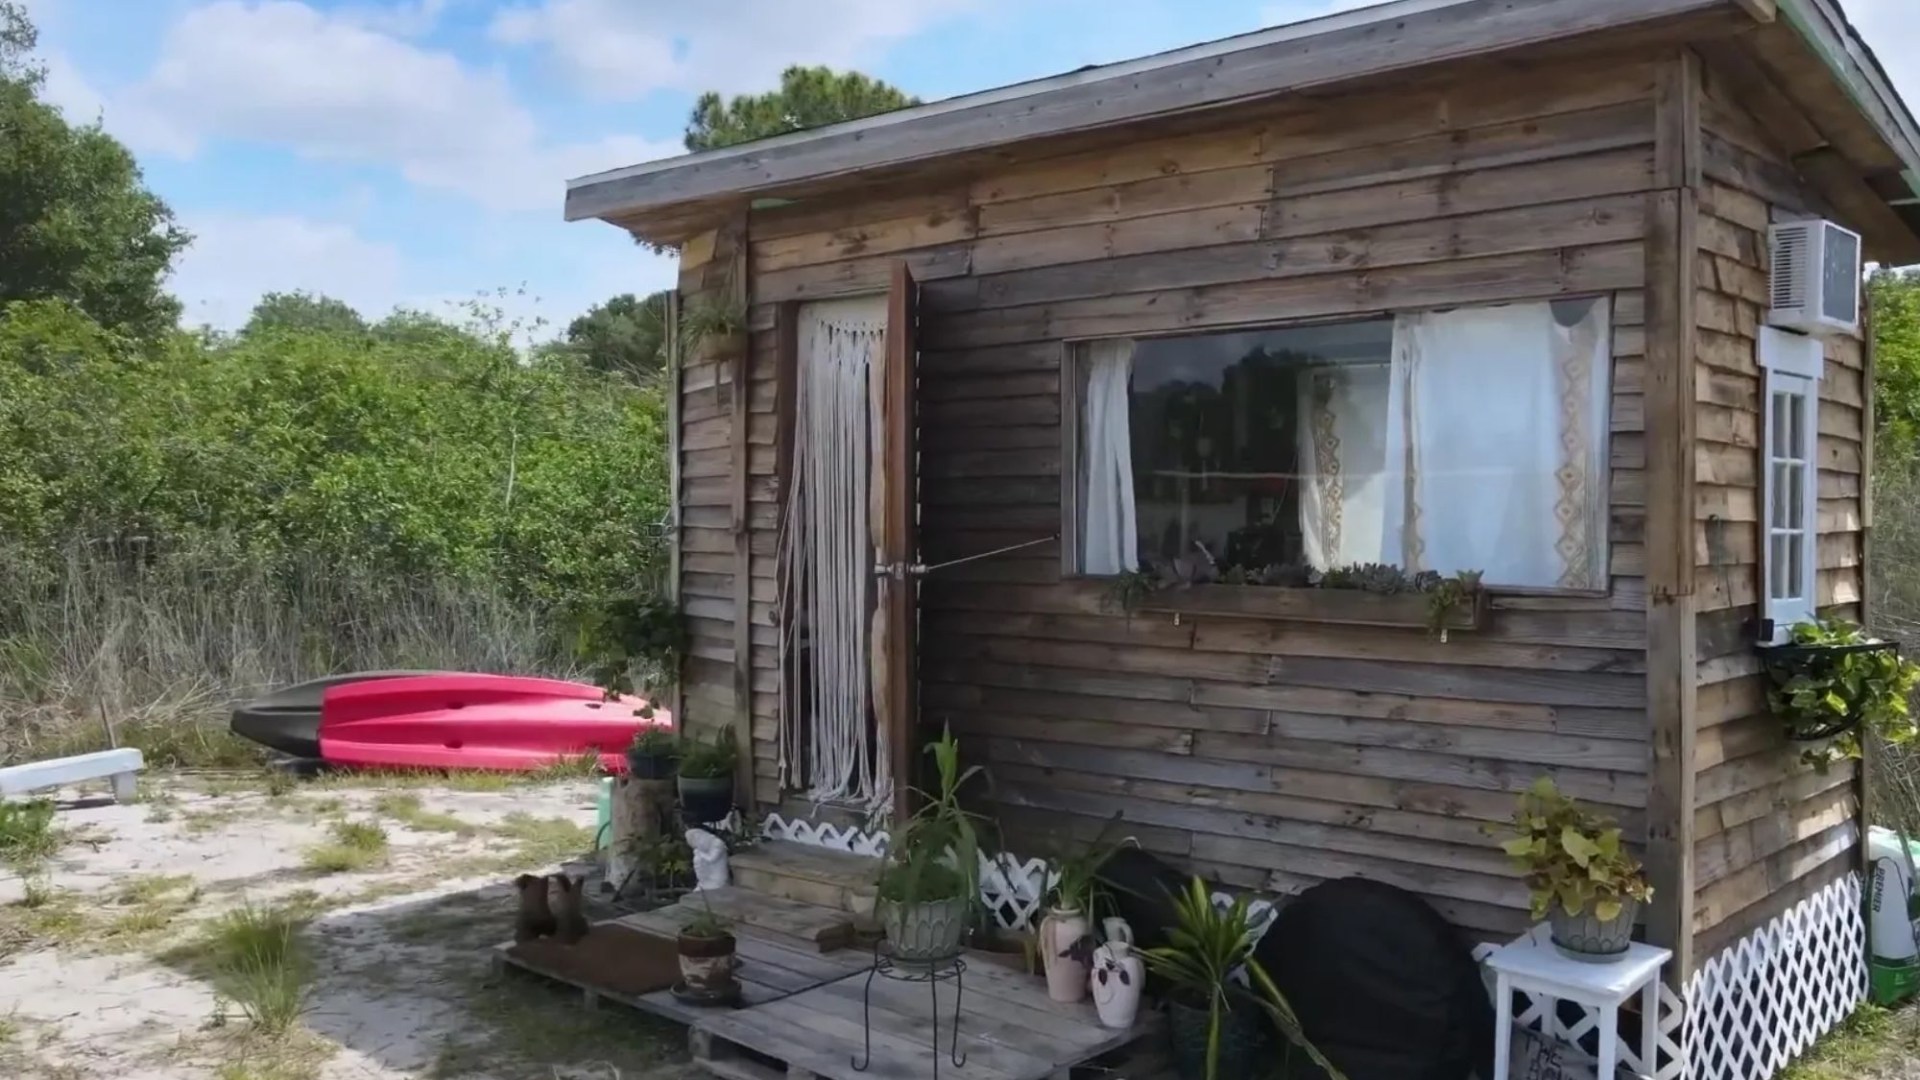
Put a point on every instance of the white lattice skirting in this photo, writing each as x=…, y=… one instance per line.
x=1762, y=1001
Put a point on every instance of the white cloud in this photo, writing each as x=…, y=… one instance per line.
x=331, y=87
x=622, y=49
x=235, y=258
x=68, y=90
x=406, y=18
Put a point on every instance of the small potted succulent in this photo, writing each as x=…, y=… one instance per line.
x=1581, y=878
x=706, y=776
x=1829, y=680
x=654, y=754
x=706, y=947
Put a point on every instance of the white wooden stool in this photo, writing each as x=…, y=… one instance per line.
x=1534, y=966
x=116, y=766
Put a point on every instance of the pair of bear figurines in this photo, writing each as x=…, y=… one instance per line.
x=560, y=915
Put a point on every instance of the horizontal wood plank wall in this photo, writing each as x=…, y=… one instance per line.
x=716, y=465
x=1768, y=830
x=1266, y=754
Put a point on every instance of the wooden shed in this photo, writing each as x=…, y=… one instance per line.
x=1442, y=284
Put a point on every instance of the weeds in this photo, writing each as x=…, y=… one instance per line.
x=27, y=835
x=256, y=958
x=355, y=845
x=404, y=807
x=544, y=840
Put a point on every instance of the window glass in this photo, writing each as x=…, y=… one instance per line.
x=1472, y=439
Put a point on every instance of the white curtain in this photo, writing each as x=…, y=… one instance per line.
x=1493, y=435
x=1109, y=537
x=1345, y=501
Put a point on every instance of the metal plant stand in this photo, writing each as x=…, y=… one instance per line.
x=931, y=972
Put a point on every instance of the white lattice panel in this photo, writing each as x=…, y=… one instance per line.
x=1547, y=1017
x=824, y=835
x=1762, y=1001
x=1013, y=890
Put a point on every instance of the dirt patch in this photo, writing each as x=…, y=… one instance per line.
x=399, y=949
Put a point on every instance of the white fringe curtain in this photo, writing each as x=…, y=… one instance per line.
x=828, y=746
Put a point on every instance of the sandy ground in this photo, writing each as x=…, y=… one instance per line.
x=401, y=986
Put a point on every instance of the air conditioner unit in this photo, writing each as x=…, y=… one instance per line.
x=1816, y=278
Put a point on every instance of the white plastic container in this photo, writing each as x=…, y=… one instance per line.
x=1893, y=930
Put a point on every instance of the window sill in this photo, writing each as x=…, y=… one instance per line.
x=1348, y=607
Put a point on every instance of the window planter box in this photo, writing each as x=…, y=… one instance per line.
x=1349, y=607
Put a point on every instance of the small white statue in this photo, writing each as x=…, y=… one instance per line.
x=709, y=860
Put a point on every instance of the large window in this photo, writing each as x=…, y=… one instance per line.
x=1471, y=439
x=1793, y=364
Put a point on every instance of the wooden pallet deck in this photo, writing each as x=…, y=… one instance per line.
x=1009, y=1030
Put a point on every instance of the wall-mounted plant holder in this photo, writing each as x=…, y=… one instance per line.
x=1817, y=660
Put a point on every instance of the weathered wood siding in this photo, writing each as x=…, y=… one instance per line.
x=1266, y=754
x=728, y=514
x=1768, y=829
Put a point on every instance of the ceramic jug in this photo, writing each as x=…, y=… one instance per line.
x=1118, y=976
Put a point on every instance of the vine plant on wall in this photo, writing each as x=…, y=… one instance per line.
x=1829, y=680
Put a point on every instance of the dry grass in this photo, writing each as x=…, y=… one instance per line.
x=167, y=648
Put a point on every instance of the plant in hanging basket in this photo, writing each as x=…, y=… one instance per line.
x=1829, y=679
x=716, y=327
x=1580, y=875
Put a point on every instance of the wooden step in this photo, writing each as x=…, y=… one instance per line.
x=810, y=875
x=794, y=924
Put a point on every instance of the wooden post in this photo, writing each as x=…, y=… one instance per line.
x=733, y=287
x=1869, y=744
x=1672, y=215
x=637, y=814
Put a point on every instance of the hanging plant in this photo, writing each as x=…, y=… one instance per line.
x=1829, y=679
x=716, y=326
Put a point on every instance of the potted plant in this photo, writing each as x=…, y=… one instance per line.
x=1829, y=680
x=716, y=327
x=1218, y=1024
x=654, y=754
x=930, y=881
x=1065, y=933
x=1580, y=875
x=706, y=776
x=706, y=948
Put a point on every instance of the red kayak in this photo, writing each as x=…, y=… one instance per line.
x=446, y=720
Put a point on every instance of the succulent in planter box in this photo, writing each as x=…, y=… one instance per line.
x=1830, y=680
x=1580, y=876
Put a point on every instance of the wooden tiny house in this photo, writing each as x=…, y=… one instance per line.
x=1467, y=285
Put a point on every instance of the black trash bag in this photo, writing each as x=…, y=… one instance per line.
x=1142, y=888
x=1384, y=986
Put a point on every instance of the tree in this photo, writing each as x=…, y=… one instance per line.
x=304, y=312
x=808, y=97
x=624, y=336
x=76, y=222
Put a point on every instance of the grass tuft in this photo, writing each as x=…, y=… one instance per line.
x=27, y=835
x=355, y=845
x=255, y=957
x=544, y=840
x=404, y=807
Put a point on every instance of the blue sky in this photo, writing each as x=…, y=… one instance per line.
x=414, y=152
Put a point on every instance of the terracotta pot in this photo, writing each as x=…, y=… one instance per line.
x=1591, y=940
x=706, y=963
x=1066, y=977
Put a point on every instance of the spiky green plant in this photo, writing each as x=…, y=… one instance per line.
x=1208, y=947
x=936, y=854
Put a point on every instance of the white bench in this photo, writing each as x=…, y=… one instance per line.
x=115, y=765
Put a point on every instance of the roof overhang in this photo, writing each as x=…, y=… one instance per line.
x=1352, y=45
x=1825, y=29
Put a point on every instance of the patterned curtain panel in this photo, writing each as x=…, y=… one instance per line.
x=1491, y=457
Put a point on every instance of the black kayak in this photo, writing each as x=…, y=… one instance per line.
x=289, y=720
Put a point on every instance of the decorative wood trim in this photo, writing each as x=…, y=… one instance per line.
x=1671, y=243
x=1349, y=607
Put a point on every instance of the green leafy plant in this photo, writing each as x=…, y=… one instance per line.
x=709, y=759
x=712, y=319
x=645, y=632
x=656, y=742
x=1572, y=856
x=27, y=834
x=1209, y=949
x=936, y=854
x=1075, y=876
x=706, y=923
x=1446, y=596
x=1825, y=686
x=1128, y=588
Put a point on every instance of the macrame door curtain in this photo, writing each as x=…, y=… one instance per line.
x=830, y=747
x=1479, y=446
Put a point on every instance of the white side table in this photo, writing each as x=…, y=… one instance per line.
x=1534, y=966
